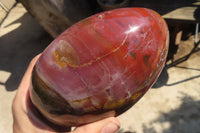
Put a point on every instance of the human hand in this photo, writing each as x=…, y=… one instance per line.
x=26, y=121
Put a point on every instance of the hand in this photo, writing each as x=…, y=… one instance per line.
x=23, y=123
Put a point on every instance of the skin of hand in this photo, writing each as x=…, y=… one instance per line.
x=22, y=122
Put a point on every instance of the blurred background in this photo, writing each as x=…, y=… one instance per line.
x=172, y=105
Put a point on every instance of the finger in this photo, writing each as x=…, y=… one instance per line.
x=108, y=125
x=20, y=98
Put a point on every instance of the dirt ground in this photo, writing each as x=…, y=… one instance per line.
x=172, y=105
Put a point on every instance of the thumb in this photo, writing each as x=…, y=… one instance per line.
x=108, y=125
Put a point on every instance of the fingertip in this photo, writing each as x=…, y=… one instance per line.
x=110, y=128
x=107, y=125
x=114, y=120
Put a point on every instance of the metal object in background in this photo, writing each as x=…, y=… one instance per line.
x=196, y=34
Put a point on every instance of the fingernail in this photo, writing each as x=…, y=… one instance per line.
x=110, y=128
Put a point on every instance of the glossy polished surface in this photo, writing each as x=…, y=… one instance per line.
x=105, y=62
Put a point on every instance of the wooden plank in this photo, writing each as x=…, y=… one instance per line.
x=57, y=15
x=180, y=10
x=183, y=13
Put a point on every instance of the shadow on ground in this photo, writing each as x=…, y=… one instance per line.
x=19, y=46
x=164, y=76
x=184, y=119
x=182, y=57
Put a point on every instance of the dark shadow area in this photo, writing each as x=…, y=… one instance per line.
x=19, y=46
x=162, y=79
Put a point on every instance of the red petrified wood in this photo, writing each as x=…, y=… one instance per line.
x=105, y=62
